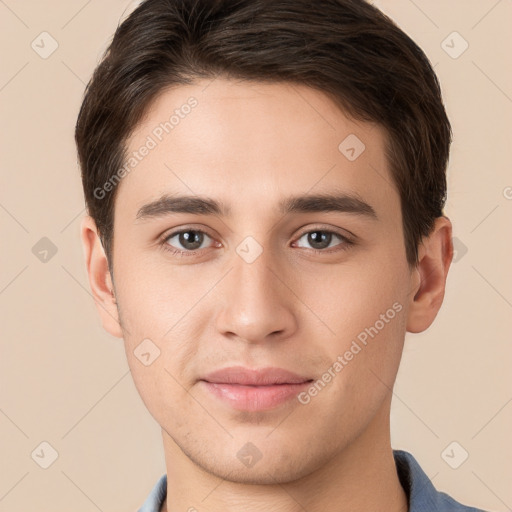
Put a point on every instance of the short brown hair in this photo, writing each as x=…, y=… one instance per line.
x=346, y=49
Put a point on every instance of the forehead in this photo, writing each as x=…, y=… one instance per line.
x=249, y=144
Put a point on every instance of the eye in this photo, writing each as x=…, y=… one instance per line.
x=190, y=241
x=321, y=239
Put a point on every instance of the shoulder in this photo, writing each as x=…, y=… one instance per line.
x=423, y=496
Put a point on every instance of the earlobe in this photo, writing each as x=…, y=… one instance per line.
x=429, y=278
x=99, y=277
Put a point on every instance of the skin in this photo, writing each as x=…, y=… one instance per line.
x=251, y=145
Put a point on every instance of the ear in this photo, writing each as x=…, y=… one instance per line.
x=428, y=280
x=99, y=277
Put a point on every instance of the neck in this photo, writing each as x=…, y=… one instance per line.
x=360, y=477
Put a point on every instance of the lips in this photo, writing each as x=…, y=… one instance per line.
x=269, y=376
x=254, y=390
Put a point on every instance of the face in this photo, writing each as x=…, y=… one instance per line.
x=320, y=288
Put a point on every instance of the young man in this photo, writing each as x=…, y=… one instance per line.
x=265, y=183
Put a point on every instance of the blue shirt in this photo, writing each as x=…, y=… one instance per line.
x=421, y=494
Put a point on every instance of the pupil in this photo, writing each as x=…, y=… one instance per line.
x=318, y=239
x=187, y=236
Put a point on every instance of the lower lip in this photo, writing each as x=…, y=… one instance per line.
x=255, y=398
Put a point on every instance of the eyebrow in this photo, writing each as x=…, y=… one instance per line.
x=199, y=205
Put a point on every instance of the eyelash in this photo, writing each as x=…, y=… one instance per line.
x=345, y=245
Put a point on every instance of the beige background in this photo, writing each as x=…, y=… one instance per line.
x=66, y=382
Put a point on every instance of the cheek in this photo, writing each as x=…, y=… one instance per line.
x=158, y=388
x=156, y=307
x=152, y=297
x=362, y=307
x=349, y=298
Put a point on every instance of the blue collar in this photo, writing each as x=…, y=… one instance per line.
x=422, y=495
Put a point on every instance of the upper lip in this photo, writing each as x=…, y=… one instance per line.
x=257, y=377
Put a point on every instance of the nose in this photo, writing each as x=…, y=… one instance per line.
x=256, y=301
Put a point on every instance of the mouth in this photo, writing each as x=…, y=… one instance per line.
x=254, y=377
x=255, y=398
x=254, y=390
